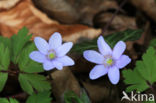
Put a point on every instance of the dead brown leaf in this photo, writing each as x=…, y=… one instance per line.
x=26, y=14
x=75, y=11
x=148, y=6
x=7, y=4
x=120, y=22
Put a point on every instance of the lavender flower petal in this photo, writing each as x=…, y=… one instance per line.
x=123, y=61
x=55, y=41
x=64, y=49
x=93, y=56
x=48, y=65
x=114, y=75
x=37, y=56
x=58, y=65
x=66, y=61
x=119, y=49
x=41, y=44
x=98, y=71
x=103, y=47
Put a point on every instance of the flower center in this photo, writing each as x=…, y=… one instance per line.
x=109, y=61
x=51, y=56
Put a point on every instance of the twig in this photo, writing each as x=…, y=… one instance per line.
x=110, y=21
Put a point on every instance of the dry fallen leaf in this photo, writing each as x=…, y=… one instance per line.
x=120, y=22
x=7, y=4
x=148, y=6
x=75, y=11
x=26, y=14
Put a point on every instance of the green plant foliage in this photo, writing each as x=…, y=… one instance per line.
x=71, y=97
x=5, y=41
x=4, y=77
x=29, y=82
x=4, y=64
x=153, y=43
x=143, y=74
x=4, y=57
x=26, y=64
x=127, y=35
x=149, y=102
x=18, y=49
x=18, y=42
x=84, y=97
x=42, y=97
x=5, y=100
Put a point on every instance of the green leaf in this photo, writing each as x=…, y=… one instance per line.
x=18, y=42
x=3, y=79
x=26, y=64
x=70, y=96
x=4, y=57
x=29, y=82
x=5, y=100
x=42, y=97
x=153, y=43
x=32, y=67
x=127, y=35
x=143, y=74
x=134, y=80
x=149, y=102
x=5, y=41
x=84, y=97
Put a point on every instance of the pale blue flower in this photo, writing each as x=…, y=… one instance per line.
x=52, y=54
x=108, y=61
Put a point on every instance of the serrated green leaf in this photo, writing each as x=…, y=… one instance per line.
x=112, y=39
x=5, y=100
x=18, y=42
x=143, y=73
x=26, y=64
x=4, y=57
x=3, y=79
x=42, y=97
x=134, y=80
x=33, y=67
x=30, y=81
x=25, y=85
x=5, y=41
